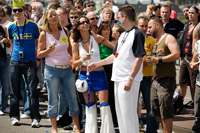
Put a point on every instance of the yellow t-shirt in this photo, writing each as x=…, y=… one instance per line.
x=148, y=46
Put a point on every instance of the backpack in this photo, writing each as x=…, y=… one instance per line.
x=177, y=103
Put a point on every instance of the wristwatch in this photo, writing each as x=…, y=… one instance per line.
x=131, y=78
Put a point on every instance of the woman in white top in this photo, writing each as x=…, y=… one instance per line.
x=55, y=46
x=97, y=79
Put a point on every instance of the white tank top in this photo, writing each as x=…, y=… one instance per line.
x=94, y=51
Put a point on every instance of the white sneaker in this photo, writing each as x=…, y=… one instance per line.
x=24, y=116
x=15, y=122
x=1, y=113
x=35, y=124
x=7, y=110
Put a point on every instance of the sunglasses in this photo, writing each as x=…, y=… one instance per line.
x=83, y=22
x=104, y=22
x=78, y=7
x=19, y=10
x=74, y=17
x=97, y=18
x=154, y=49
x=90, y=5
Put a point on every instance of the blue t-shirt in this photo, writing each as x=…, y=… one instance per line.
x=31, y=33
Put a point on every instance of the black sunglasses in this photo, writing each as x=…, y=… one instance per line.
x=94, y=18
x=77, y=7
x=90, y=5
x=74, y=17
x=19, y=10
x=83, y=22
x=104, y=22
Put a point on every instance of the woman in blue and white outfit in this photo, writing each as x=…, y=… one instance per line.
x=97, y=79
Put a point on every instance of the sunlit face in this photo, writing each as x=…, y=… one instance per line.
x=143, y=26
x=121, y=18
x=53, y=19
x=79, y=6
x=107, y=16
x=165, y=13
x=115, y=34
x=193, y=16
x=61, y=15
x=18, y=14
x=107, y=3
x=185, y=12
x=106, y=32
x=93, y=19
x=89, y=7
x=73, y=18
x=152, y=28
x=83, y=25
x=66, y=3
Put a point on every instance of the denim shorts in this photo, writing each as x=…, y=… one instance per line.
x=55, y=77
x=162, y=91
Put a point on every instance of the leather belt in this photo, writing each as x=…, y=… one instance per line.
x=63, y=67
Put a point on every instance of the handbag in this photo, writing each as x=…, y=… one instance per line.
x=82, y=85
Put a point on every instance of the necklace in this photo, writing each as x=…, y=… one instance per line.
x=55, y=35
x=86, y=41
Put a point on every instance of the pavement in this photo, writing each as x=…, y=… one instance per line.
x=181, y=124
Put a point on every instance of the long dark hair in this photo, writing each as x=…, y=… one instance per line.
x=103, y=26
x=76, y=33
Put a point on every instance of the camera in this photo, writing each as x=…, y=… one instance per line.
x=2, y=44
x=21, y=54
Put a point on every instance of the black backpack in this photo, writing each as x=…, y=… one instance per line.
x=178, y=104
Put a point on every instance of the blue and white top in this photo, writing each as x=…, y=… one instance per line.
x=31, y=33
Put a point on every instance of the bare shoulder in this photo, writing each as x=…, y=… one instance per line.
x=170, y=39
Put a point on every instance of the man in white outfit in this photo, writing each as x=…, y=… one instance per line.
x=127, y=70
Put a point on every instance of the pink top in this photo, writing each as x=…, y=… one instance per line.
x=60, y=55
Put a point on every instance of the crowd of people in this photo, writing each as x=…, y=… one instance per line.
x=118, y=56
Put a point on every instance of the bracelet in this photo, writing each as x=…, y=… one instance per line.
x=105, y=62
x=81, y=59
x=159, y=59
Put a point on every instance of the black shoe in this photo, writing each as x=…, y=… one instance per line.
x=69, y=127
x=83, y=130
x=189, y=104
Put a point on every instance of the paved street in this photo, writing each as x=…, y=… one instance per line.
x=182, y=123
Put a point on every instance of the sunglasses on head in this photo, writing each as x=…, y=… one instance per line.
x=78, y=7
x=94, y=18
x=90, y=5
x=19, y=10
x=83, y=22
x=74, y=17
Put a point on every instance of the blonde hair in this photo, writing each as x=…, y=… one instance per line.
x=143, y=14
x=45, y=23
x=107, y=9
x=149, y=9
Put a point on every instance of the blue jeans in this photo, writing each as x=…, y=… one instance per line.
x=26, y=97
x=40, y=74
x=63, y=102
x=145, y=88
x=4, y=79
x=28, y=69
x=55, y=77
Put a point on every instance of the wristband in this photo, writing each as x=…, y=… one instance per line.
x=159, y=59
x=37, y=59
x=81, y=59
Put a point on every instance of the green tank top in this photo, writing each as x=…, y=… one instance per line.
x=105, y=51
x=165, y=69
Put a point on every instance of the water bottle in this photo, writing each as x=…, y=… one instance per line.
x=148, y=54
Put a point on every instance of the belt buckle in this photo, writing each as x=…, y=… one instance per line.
x=64, y=67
